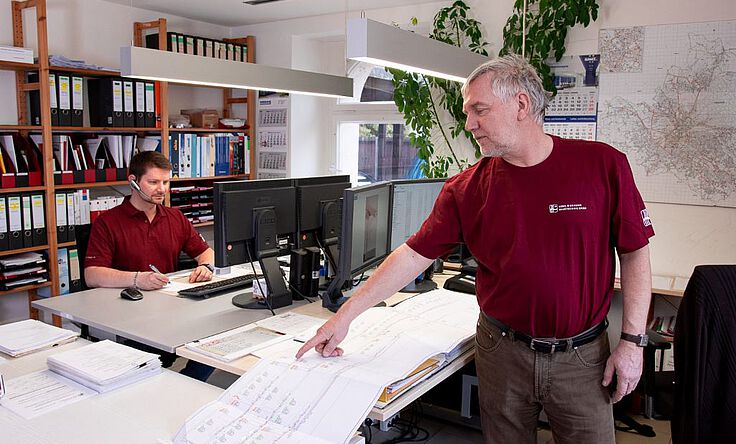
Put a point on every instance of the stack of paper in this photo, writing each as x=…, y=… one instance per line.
x=105, y=366
x=27, y=336
x=237, y=343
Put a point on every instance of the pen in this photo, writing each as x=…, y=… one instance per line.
x=155, y=270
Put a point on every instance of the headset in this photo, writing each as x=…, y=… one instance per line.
x=135, y=186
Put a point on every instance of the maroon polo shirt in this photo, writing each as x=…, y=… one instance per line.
x=543, y=236
x=122, y=238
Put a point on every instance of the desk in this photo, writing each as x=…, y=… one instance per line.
x=149, y=411
x=160, y=320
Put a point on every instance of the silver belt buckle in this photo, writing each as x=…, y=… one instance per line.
x=540, y=341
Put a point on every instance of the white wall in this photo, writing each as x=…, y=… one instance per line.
x=686, y=235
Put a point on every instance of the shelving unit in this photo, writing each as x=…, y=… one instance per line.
x=47, y=130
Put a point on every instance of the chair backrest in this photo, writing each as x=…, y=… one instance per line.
x=82, y=235
x=705, y=357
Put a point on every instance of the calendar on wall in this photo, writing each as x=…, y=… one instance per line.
x=272, y=137
x=573, y=112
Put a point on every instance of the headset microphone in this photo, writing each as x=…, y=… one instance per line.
x=135, y=186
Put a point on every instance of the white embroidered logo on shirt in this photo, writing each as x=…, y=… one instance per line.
x=556, y=208
x=645, y=217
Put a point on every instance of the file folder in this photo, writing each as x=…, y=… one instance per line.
x=128, y=104
x=199, y=46
x=105, y=102
x=209, y=48
x=70, y=208
x=75, y=281
x=189, y=40
x=63, y=271
x=77, y=101
x=61, y=219
x=39, y=219
x=171, y=44
x=25, y=201
x=4, y=240
x=65, y=100
x=180, y=44
x=15, y=222
x=35, y=100
x=150, y=106
x=140, y=103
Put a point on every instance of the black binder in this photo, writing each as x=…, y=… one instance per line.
x=70, y=232
x=61, y=220
x=77, y=88
x=64, y=83
x=38, y=210
x=128, y=104
x=150, y=105
x=4, y=239
x=15, y=221
x=152, y=41
x=139, y=89
x=25, y=200
x=105, y=102
x=34, y=99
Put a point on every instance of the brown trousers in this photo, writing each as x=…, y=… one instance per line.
x=515, y=383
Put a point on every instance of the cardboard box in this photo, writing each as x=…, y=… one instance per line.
x=203, y=118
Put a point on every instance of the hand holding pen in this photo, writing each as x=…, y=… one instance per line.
x=152, y=280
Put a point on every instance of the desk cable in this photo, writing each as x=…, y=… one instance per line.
x=258, y=282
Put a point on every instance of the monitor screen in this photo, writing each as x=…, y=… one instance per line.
x=412, y=201
x=366, y=220
x=234, y=207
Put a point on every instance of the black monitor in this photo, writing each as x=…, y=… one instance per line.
x=364, y=242
x=411, y=203
x=319, y=214
x=254, y=220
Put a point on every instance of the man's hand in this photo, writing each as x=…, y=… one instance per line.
x=328, y=336
x=200, y=274
x=626, y=360
x=148, y=280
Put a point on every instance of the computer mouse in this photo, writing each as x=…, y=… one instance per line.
x=132, y=294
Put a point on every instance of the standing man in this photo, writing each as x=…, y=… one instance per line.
x=543, y=217
x=128, y=239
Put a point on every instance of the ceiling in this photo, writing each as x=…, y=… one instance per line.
x=235, y=13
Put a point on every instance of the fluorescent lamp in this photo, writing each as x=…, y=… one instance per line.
x=386, y=45
x=152, y=64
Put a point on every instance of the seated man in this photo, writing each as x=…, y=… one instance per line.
x=130, y=240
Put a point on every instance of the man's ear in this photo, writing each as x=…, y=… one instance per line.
x=522, y=101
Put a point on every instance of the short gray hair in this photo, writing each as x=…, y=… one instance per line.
x=512, y=74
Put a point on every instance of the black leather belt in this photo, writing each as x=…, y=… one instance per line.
x=552, y=345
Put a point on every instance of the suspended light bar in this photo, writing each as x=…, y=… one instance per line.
x=152, y=64
x=386, y=45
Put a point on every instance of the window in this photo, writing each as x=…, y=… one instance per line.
x=384, y=153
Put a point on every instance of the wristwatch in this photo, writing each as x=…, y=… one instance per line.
x=209, y=267
x=639, y=340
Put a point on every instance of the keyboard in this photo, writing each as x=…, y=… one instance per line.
x=207, y=290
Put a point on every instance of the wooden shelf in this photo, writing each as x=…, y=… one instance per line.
x=15, y=66
x=20, y=127
x=203, y=224
x=86, y=72
x=80, y=129
x=26, y=288
x=210, y=130
x=214, y=178
x=67, y=244
x=71, y=186
x=21, y=189
x=23, y=250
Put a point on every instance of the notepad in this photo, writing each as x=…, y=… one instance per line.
x=237, y=343
x=30, y=335
x=105, y=365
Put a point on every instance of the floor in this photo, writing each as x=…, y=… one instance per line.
x=442, y=432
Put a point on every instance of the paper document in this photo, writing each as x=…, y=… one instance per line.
x=26, y=336
x=291, y=323
x=41, y=392
x=237, y=343
x=105, y=365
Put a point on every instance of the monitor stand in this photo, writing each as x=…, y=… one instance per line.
x=421, y=287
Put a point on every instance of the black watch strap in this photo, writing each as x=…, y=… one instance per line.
x=209, y=267
x=639, y=340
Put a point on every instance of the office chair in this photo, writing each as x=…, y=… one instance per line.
x=82, y=234
x=705, y=358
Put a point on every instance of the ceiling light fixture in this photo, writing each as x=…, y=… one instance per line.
x=152, y=64
x=386, y=45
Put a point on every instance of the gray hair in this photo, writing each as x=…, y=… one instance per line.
x=512, y=74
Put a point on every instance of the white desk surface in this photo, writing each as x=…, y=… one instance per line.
x=150, y=411
x=160, y=320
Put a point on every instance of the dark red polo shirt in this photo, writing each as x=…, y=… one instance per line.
x=543, y=236
x=123, y=239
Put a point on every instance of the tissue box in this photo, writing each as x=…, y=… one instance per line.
x=202, y=118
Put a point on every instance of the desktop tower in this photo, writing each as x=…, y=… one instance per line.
x=304, y=272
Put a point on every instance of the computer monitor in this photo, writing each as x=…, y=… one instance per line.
x=411, y=203
x=319, y=215
x=364, y=239
x=254, y=220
